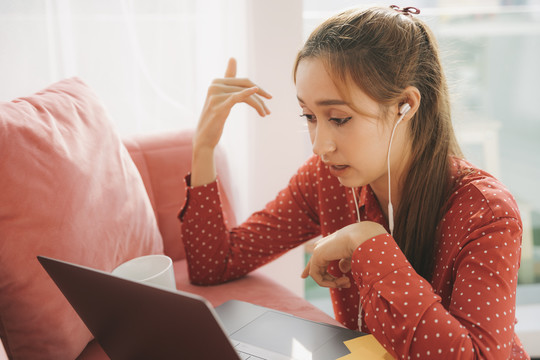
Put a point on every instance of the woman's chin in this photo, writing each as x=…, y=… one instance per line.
x=346, y=176
x=350, y=182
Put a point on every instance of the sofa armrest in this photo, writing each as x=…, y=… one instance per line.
x=163, y=161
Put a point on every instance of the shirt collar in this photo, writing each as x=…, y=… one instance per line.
x=365, y=194
x=369, y=206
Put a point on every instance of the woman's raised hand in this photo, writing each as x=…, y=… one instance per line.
x=222, y=95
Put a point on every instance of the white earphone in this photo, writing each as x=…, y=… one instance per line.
x=403, y=110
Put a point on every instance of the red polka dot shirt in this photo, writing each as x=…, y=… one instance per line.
x=467, y=311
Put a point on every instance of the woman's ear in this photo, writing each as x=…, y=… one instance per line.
x=411, y=95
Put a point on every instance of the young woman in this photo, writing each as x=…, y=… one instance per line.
x=419, y=247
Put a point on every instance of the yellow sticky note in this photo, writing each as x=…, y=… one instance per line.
x=365, y=347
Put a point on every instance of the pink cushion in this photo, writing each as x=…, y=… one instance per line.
x=163, y=160
x=69, y=190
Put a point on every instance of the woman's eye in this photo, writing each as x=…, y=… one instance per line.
x=340, y=121
x=310, y=118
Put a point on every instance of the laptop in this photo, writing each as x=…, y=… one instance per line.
x=132, y=320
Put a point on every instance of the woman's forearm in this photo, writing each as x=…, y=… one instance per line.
x=203, y=168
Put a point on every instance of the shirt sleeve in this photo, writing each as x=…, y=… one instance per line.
x=216, y=253
x=406, y=315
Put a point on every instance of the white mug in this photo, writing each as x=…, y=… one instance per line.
x=149, y=269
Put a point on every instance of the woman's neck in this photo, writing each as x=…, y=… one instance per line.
x=398, y=175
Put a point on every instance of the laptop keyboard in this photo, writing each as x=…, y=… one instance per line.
x=251, y=352
x=245, y=351
x=245, y=356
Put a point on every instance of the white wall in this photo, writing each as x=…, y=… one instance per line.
x=277, y=143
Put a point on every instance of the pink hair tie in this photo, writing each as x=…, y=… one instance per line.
x=409, y=10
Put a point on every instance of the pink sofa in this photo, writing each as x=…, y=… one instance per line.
x=73, y=190
x=163, y=160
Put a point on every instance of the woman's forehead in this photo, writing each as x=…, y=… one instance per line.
x=316, y=85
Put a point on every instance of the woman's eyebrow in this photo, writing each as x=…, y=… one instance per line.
x=328, y=102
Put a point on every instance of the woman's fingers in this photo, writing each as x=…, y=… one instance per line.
x=258, y=104
x=246, y=96
x=330, y=248
x=243, y=90
x=345, y=265
x=240, y=83
x=305, y=273
x=263, y=93
x=223, y=94
x=325, y=279
x=232, y=95
x=231, y=68
x=266, y=109
x=343, y=282
x=230, y=79
x=322, y=277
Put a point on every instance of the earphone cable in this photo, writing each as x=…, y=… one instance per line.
x=390, y=207
x=356, y=203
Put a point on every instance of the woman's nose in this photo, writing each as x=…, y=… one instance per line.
x=322, y=142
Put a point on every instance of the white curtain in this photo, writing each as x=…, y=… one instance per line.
x=149, y=61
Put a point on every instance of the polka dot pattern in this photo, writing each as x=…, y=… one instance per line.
x=466, y=311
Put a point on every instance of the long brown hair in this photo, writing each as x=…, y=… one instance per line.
x=382, y=52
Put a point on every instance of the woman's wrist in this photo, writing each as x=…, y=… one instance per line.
x=366, y=230
x=202, y=166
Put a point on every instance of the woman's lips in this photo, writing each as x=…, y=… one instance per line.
x=338, y=170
